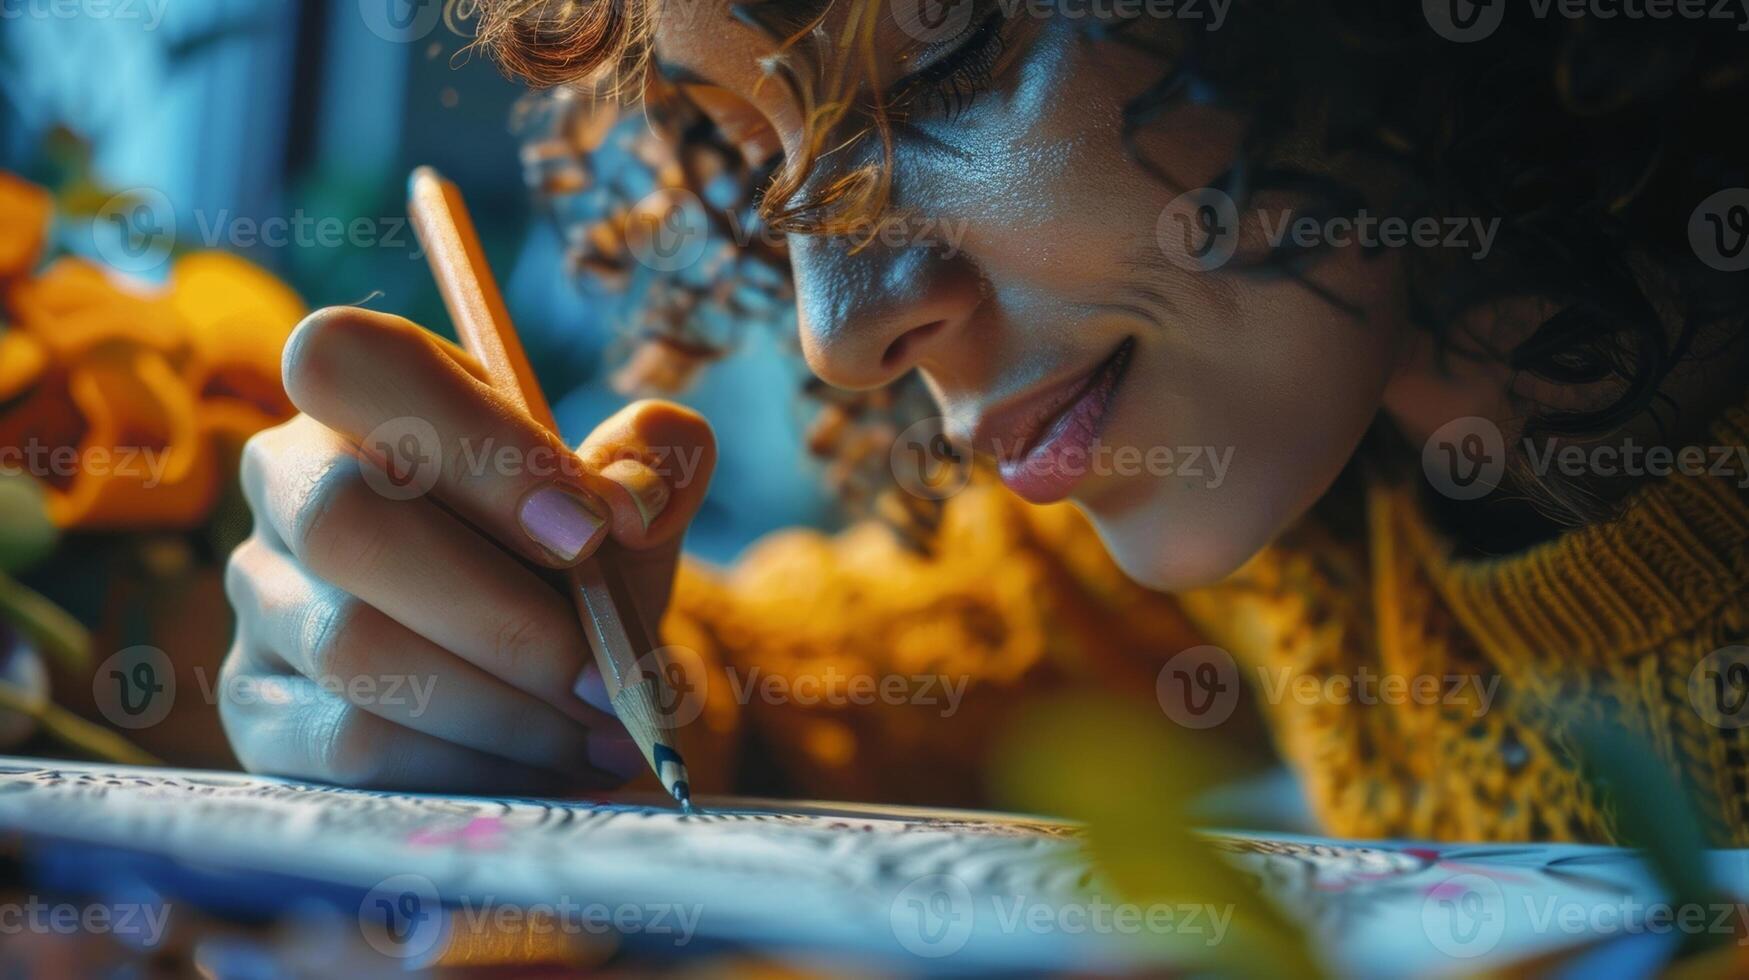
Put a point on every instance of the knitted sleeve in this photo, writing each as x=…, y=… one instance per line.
x=848, y=667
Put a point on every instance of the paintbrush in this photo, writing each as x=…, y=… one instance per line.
x=617, y=634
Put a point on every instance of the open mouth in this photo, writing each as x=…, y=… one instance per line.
x=1063, y=446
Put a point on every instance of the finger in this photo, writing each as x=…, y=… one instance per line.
x=356, y=653
x=417, y=564
x=658, y=458
x=320, y=737
x=388, y=387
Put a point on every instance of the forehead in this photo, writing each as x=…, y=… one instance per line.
x=719, y=42
x=731, y=43
x=726, y=42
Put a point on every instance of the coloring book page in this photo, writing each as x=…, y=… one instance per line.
x=912, y=890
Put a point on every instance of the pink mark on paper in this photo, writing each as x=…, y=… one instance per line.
x=481, y=833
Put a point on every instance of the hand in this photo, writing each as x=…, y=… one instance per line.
x=394, y=636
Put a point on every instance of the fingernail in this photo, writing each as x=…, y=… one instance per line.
x=591, y=688
x=649, y=491
x=561, y=521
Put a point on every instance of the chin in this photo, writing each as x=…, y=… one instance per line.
x=1171, y=549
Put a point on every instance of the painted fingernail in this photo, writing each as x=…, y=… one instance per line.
x=561, y=521
x=649, y=491
x=591, y=689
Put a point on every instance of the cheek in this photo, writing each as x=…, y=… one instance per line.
x=1285, y=377
x=1275, y=383
x=1272, y=389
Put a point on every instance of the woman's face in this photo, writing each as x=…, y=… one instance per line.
x=1190, y=414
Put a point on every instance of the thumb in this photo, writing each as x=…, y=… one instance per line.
x=653, y=461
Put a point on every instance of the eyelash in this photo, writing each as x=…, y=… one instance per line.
x=952, y=83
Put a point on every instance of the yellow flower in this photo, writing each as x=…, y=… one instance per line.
x=25, y=210
x=127, y=401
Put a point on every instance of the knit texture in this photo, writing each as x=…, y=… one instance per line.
x=1416, y=693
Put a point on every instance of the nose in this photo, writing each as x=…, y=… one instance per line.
x=870, y=315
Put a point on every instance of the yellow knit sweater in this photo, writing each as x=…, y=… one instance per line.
x=1440, y=722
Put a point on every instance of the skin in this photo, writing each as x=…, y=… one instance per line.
x=1059, y=264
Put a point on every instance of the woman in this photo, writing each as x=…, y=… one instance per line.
x=1374, y=348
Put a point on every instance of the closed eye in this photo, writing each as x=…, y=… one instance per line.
x=951, y=76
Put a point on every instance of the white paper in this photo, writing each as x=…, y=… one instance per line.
x=922, y=891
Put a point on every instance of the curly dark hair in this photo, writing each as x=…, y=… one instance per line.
x=1591, y=140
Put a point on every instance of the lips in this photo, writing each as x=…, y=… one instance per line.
x=1054, y=443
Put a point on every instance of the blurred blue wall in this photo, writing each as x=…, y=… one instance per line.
x=238, y=112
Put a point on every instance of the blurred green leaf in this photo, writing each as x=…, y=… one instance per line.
x=26, y=533
x=1653, y=811
x=70, y=729
x=44, y=624
x=1131, y=779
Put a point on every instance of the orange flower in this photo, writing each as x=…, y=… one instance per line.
x=25, y=210
x=128, y=402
